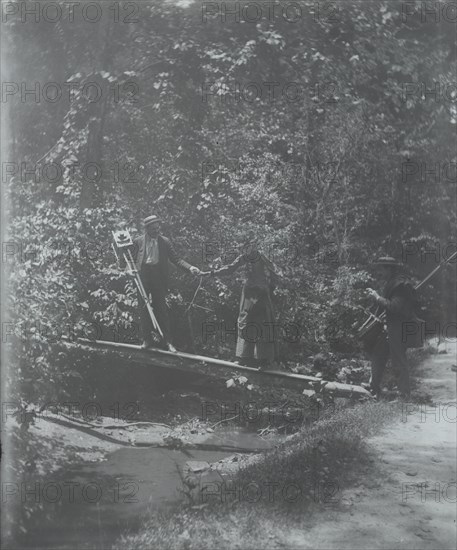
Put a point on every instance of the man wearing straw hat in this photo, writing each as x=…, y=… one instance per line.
x=152, y=252
x=398, y=302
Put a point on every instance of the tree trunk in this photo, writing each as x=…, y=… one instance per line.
x=92, y=178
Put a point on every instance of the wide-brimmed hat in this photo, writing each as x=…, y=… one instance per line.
x=387, y=261
x=151, y=219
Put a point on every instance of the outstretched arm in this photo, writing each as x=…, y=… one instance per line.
x=230, y=268
x=179, y=262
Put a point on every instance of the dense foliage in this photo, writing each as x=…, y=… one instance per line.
x=301, y=135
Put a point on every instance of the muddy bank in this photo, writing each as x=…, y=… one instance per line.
x=88, y=491
x=105, y=476
x=86, y=479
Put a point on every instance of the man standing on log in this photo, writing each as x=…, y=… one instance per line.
x=398, y=303
x=152, y=252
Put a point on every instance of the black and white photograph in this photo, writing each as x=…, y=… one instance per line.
x=229, y=274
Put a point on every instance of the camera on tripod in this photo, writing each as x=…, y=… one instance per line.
x=122, y=239
x=122, y=243
x=122, y=247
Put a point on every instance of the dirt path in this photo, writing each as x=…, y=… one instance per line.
x=410, y=502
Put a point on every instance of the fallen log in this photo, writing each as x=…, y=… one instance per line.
x=217, y=368
x=166, y=442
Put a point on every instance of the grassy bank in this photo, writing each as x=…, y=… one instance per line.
x=251, y=510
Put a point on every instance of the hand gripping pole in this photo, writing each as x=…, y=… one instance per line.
x=375, y=318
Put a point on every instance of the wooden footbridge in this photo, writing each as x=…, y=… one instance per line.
x=215, y=368
x=199, y=364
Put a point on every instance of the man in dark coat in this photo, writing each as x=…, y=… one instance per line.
x=151, y=253
x=398, y=302
x=256, y=343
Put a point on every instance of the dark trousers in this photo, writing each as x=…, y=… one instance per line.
x=390, y=345
x=255, y=331
x=154, y=287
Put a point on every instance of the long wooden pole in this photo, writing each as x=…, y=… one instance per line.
x=219, y=368
x=437, y=268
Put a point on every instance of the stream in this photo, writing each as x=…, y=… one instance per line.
x=99, y=501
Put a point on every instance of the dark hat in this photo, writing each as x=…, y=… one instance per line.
x=151, y=219
x=387, y=261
